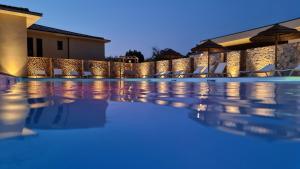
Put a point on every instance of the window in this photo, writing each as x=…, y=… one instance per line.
x=29, y=46
x=39, y=47
x=60, y=45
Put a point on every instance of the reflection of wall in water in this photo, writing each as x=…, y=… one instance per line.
x=76, y=115
x=14, y=109
x=67, y=108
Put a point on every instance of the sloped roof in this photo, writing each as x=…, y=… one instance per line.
x=243, y=37
x=208, y=45
x=19, y=10
x=42, y=28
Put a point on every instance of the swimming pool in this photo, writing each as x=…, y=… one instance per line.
x=95, y=124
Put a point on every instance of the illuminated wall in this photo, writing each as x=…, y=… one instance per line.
x=181, y=65
x=116, y=69
x=258, y=58
x=289, y=55
x=68, y=65
x=200, y=60
x=233, y=63
x=162, y=66
x=13, y=45
x=144, y=69
x=99, y=69
x=216, y=58
x=35, y=64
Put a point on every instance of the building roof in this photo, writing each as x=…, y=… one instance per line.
x=19, y=10
x=30, y=16
x=243, y=37
x=42, y=28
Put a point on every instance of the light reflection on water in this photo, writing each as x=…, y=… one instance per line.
x=265, y=110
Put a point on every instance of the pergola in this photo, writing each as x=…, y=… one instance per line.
x=127, y=59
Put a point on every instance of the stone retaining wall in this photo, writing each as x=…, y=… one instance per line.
x=258, y=58
x=255, y=59
x=35, y=64
x=99, y=69
x=181, y=65
x=200, y=60
x=163, y=66
x=68, y=65
x=144, y=69
x=289, y=55
x=233, y=63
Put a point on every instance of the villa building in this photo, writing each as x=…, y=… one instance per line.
x=21, y=37
x=44, y=41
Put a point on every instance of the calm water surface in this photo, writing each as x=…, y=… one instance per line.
x=65, y=124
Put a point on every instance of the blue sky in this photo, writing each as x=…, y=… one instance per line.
x=143, y=24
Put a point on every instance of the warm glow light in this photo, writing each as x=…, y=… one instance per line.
x=200, y=107
x=161, y=102
x=236, y=42
x=232, y=109
x=233, y=90
x=12, y=118
x=179, y=104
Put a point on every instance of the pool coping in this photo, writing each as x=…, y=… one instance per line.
x=219, y=79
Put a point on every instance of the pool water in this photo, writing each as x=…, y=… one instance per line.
x=111, y=124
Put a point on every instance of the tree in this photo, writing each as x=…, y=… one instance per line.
x=165, y=54
x=112, y=58
x=136, y=53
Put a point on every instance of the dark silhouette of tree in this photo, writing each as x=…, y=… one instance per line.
x=136, y=53
x=165, y=54
x=111, y=58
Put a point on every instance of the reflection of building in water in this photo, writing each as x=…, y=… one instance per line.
x=248, y=110
x=265, y=94
x=54, y=112
x=202, y=90
x=100, y=90
x=232, y=93
x=72, y=89
x=6, y=82
x=246, y=126
x=163, y=89
x=180, y=89
x=77, y=115
x=13, y=111
x=231, y=107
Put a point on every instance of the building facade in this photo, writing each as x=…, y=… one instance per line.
x=44, y=41
x=20, y=37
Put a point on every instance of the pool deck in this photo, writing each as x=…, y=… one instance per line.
x=219, y=79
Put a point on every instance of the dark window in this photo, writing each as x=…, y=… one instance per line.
x=29, y=46
x=39, y=47
x=60, y=45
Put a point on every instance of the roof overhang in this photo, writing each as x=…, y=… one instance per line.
x=31, y=17
x=68, y=36
x=241, y=38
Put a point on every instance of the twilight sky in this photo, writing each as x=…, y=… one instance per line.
x=143, y=24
